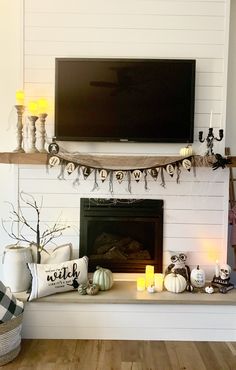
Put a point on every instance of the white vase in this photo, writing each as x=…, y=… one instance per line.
x=16, y=274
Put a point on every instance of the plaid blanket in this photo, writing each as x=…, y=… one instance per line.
x=10, y=307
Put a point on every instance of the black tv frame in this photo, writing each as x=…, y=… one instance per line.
x=129, y=139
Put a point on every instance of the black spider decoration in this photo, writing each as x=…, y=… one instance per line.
x=220, y=162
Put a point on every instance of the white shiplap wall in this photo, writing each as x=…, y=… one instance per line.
x=136, y=29
x=195, y=211
x=195, y=215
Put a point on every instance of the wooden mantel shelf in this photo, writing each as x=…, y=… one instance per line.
x=23, y=158
x=42, y=158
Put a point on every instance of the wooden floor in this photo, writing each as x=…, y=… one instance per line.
x=123, y=355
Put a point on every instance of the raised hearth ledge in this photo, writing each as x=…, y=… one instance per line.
x=124, y=292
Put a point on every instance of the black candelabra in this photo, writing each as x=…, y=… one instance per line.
x=210, y=139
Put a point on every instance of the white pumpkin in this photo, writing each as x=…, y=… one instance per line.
x=103, y=277
x=186, y=151
x=175, y=283
x=197, y=277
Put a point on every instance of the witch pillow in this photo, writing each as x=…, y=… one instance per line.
x=49, y=279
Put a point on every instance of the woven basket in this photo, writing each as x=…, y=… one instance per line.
x=10, y=339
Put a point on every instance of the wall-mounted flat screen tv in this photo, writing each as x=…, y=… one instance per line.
x=137, y=100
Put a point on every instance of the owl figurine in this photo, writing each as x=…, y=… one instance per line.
x=179, y=266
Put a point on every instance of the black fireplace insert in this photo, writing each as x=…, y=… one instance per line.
x=123, y=235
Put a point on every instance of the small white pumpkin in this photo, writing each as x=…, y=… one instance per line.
x=186, y=151
x=209, y=289
x=103, y=277
x=197, y=277
x=175, y=283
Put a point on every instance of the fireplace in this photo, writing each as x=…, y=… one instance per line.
x=123, y=235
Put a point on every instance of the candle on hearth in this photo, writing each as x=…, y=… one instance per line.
x=217, y=269
x=149, y=275
x=141, y=284
x=20, y=97
x=158, y=282
x=42, y=106
x=33, y=108
x=211, y=119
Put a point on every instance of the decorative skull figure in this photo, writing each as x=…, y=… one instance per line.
x=225, y=271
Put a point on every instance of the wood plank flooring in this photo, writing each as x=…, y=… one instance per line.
x=123, y=355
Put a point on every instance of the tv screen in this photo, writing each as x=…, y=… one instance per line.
x=138, y=100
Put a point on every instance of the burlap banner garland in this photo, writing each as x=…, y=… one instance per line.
x=127, y=168
x=71, y=163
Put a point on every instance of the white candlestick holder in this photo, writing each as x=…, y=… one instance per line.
x=32, y=135
x=42, y=132
x=19, y=129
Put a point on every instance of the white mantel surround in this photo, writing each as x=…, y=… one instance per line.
x=195, y=221
x=195, y=210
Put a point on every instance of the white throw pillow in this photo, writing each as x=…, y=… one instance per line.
x=59, y=254
x=49, y=279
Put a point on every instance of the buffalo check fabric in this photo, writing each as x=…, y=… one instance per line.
x=10, y=307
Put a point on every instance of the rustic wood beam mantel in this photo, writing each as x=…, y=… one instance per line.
x=23, y=158
x=42, y=158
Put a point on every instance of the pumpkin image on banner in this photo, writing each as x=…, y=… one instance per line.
x=175, y=283
x=103, y=277
x=197, y=277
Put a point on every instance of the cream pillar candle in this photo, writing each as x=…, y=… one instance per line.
x=158, y=282
x=149, y=275
x=141, y=284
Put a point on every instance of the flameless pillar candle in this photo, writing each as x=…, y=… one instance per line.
x=141, y=284
x=20, y=97
x=149, y=275
x=42, y=106
x=158, y=281
x=33, y=108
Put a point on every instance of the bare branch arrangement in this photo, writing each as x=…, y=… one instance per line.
x=19, y=223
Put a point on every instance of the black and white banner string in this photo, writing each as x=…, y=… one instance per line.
x=72, y=163
x=119, y=175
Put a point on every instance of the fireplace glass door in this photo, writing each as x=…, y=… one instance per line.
x=123, y=235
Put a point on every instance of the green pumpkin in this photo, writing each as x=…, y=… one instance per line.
x=82, y=289
x=103, y=277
